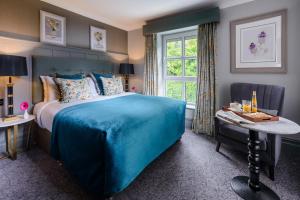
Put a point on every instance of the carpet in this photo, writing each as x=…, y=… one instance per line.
x=190, y=169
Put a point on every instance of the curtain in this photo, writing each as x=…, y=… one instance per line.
x=205, y=101
x=151, y=68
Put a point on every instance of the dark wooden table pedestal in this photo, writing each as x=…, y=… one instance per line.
x=250, y=188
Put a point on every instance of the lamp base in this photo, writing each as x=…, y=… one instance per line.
x=126, y=83
x=10, y=99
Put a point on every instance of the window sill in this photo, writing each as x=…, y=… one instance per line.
x=190, y=107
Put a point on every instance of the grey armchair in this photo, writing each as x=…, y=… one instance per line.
x=269, y=97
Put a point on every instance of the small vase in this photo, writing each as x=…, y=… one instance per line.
x=26, y=115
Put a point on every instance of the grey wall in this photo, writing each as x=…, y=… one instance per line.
x=20, y=18
x=19, y=35
x=290, y=80
x=136, y=51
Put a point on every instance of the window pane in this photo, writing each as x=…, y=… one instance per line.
x=174, y=89
x=174, y=67
x=174, y=48
x=190, y=67
x=190, y=90
x=191, y=47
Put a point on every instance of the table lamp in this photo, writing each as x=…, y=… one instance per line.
x=12, y=66
x=126, y=69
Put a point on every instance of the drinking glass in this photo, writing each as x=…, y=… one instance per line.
x=246, y=106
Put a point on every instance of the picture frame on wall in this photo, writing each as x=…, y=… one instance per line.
x=258, y=44
x=52, y=28
x=97, y=39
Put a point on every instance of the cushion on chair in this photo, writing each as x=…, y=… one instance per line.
x=241, y=134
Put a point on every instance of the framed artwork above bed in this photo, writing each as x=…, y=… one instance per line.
x=258, y=44
x=52, y=28
x=97, y=39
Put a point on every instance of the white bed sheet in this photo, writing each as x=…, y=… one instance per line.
x=46, y=111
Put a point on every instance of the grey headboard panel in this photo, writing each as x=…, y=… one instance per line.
x=42, y=65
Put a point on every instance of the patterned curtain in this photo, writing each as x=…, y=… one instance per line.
x=205, y=102
x=151, y=68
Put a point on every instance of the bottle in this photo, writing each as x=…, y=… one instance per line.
x=254, y=102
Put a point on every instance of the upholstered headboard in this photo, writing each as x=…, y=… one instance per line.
x=42, y=65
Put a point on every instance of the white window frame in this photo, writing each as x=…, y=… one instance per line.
x=175, y=36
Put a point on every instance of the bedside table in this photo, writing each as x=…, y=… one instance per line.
x=12, y=134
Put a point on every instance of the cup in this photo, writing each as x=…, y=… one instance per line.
x=236, y=106
x=246, y=106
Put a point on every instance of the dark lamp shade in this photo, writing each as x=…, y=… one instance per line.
x=13, y=65
x=126, y=69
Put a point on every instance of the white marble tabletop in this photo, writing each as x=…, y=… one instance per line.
x=281, y=127
x=18, y=121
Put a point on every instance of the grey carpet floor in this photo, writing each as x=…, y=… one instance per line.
x=190, y=169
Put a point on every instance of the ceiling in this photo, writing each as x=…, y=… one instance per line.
x=132, y=14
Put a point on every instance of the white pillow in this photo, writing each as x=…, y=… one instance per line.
x=50, y=89
x=112, y=86
x=92, y=86
x=44, y=88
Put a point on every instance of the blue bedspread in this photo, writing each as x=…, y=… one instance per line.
x=106, y=144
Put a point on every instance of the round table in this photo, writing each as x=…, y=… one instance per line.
x=251, y=188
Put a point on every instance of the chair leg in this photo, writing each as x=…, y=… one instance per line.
x=218, y=146
x=271, y=172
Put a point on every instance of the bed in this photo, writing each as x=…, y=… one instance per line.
x=105, y=142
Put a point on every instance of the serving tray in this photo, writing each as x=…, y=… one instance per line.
x=269, y=118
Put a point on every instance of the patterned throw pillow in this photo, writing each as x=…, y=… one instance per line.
x=73, y=90
x=98, y=82
x=112, y=86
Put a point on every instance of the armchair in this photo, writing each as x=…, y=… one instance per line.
x=269, y=97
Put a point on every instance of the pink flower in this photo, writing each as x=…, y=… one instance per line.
x=24, y=105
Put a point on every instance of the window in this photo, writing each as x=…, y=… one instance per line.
x=180, y=66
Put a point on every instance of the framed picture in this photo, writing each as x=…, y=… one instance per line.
x=98, y=38
x=52, y=28
x=258, y=44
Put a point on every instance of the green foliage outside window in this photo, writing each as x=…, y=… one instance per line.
x=191, y=47
x=190, y=92
x=190, y=67
x=174, y=48
x=174, y=88
x=174, y=67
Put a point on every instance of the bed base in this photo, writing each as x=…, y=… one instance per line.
x=42, y=137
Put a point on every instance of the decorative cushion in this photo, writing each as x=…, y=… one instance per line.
x=112, y=86
x=73, y=90
x=98, y=81
x=72, y=76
